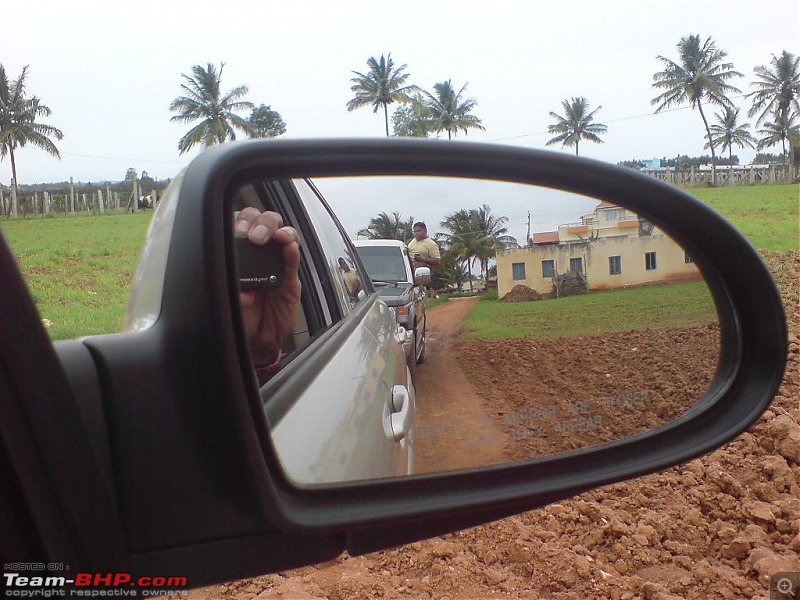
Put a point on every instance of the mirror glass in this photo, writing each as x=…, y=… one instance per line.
x=552, y=322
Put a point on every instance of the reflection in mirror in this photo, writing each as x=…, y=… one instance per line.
x=555, y=322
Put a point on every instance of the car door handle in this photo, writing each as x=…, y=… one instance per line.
x=402, y=415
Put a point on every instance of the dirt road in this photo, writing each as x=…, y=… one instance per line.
x=717, y=527
x=451, y=415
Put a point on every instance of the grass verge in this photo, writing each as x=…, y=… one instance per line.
x=79, y=268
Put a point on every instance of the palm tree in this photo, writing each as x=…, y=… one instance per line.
x=493, y=229
x=18, y=126
x=778, y=89
x=449, y=112
x=783, y=129
x=576, y=124
x=461, y=239
x=726, y=132
x=204, y=100
x=700, y=74
x=453, y=270
x=388, y=227
x=380, y=86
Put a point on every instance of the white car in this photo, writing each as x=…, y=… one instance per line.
x=401, y=287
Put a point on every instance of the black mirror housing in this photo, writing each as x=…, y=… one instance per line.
x=184, y=419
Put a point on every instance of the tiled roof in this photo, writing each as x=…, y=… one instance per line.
x=545, y=237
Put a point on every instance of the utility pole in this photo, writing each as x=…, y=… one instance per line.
x=528, y=235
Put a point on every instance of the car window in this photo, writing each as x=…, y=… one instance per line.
x=338, y=257
x=384, y=263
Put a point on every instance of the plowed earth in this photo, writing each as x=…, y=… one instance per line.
x=716, y=527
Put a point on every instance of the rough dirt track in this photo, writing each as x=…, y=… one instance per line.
x=716, y=527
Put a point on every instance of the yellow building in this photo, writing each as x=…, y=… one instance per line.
x=611, y=247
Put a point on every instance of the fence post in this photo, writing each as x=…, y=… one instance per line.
x=71, y=195
x=46, y=204
x=100, y=207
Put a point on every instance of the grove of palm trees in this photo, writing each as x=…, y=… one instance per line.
x=699, y=75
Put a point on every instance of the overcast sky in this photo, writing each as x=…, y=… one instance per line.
x=109, y=70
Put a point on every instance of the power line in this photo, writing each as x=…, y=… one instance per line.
x=122, y=159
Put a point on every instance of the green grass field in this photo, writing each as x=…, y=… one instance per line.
x=766, y=214
x=80, y=268
x=647, y=307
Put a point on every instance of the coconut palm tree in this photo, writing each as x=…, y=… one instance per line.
x=388, y=227
x=382, y=85
x=576, y=124
x=449, y=111
x=727, y=132
x=462, y=239
x=778, y=88
x=699, y=75
x=204, y=101
x=18, y=126
x=783, y=129
x=494, y=230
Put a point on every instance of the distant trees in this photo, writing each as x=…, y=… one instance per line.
x=475, y=234
x=204, y=101
x=776, y=94
x=576, y=124
x=19, y=127
x=413, y=119
x=382, y=85
x=700, y=74
x=727, y=132
x=783, y=129
x=266, y=123
x=388, y=227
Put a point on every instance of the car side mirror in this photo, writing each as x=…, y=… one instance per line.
x=192, y=450
x=422, y=275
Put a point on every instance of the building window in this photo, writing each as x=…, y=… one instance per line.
x=687, y=259
x=576, y=265
x=613, y=214
x=614, y=265
x=548, y=268
x=517, y=271
x=650, y=261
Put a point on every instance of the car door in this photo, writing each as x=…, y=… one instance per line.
x=350, y=416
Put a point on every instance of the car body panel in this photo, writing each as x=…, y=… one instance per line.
x=340, y=429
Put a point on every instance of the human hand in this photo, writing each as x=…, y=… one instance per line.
x=270, y=314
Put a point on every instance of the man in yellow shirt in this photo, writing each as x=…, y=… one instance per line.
x=423, y=250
